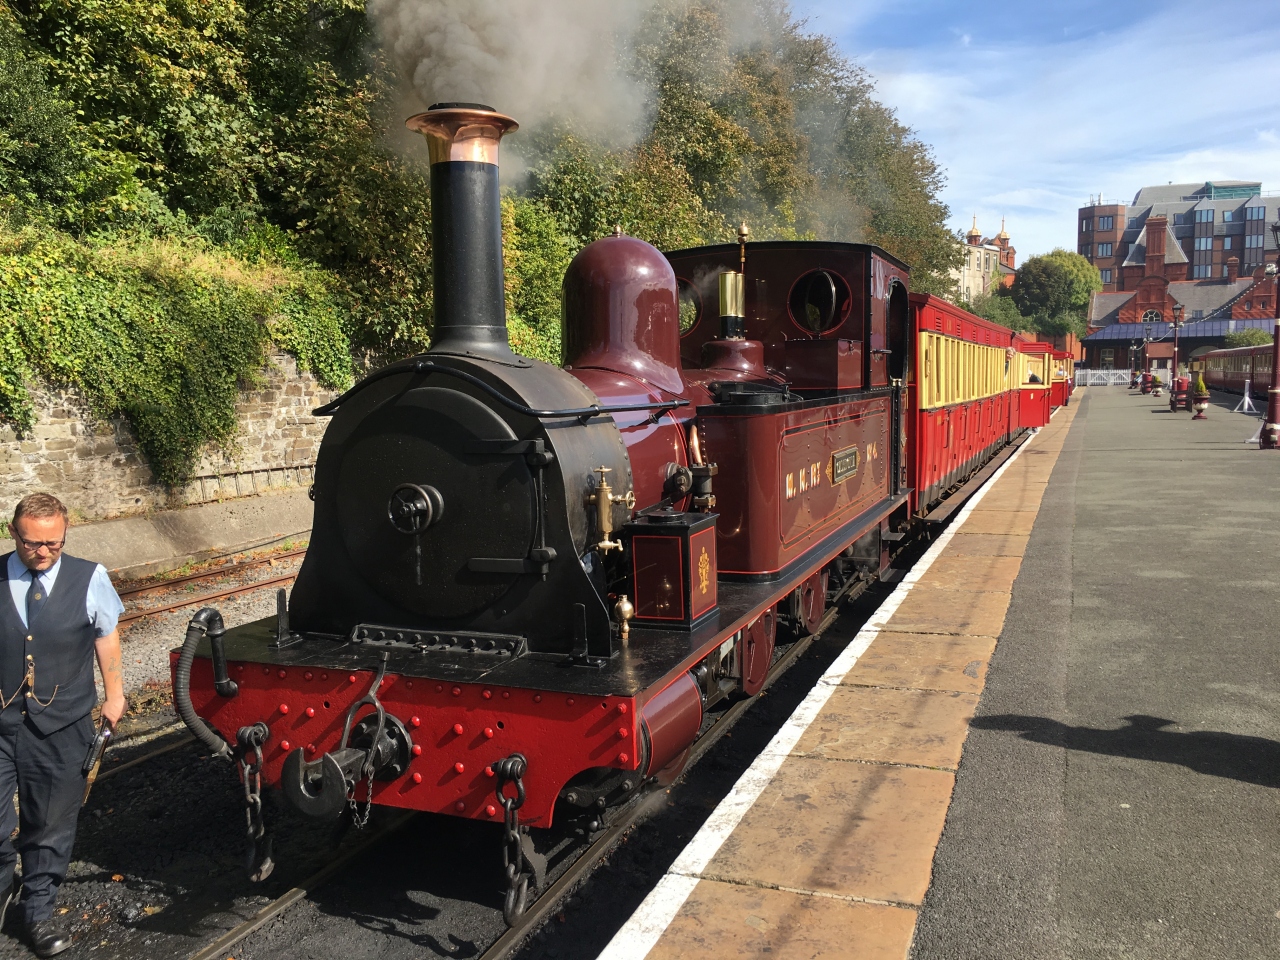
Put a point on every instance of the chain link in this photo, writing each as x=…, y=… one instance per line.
x=357, y=820
x=258, y=860
x=512, y=770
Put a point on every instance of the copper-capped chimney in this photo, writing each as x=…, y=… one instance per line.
x=466, y=227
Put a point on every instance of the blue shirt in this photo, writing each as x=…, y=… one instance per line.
x=102, y=603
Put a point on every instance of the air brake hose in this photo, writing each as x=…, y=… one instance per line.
x=207, y=621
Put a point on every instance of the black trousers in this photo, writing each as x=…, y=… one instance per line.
x=45, y=771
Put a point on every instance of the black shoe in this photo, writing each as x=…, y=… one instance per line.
x=48, y=938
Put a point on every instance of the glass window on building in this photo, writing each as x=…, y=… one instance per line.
x=1204, y=215
x=1133, y=222
x=1204, y=243
x=1108, y=358
x=1200, y=271
x=1104, y=249
x=1106, y=276
x=1226, y=243
x=1227, y=216
x=1086, y=225
x=1106, y=223
x=1253, y=240
x=1086, y=249
x=1255, y=213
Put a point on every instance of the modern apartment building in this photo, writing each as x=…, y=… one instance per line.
x=1201, y=228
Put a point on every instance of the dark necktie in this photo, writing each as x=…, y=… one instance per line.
x=36, y=596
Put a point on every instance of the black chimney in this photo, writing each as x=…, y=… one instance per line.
x=466, y=227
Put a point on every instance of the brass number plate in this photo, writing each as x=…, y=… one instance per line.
x=844, y=464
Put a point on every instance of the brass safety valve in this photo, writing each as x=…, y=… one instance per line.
x=604, y=498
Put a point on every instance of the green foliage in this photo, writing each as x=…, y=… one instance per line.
x=1200, y=388
x=1251, y=337
x=37, y=133
x=1042, y=288
x=1085, y=278
x=536, y=253
x=162, y=333
x=1053, y=290
x=999, y=308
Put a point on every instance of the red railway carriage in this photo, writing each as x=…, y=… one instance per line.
x=1231, y=369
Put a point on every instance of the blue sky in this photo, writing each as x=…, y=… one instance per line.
x=1031, y=107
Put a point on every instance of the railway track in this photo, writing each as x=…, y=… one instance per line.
x=582, y=866
x=219, y=573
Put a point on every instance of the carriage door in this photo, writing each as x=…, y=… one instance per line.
x=900, y=338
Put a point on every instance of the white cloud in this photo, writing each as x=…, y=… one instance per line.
x=1031, y=129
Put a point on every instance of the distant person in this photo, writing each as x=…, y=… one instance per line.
x=59, y=614
x=1032, y=377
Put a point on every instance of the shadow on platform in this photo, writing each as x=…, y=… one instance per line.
x=1232, y=756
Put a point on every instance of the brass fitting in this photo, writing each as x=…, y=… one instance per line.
x=623, y=611
x=604, y=498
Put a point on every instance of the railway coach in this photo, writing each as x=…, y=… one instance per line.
x=1231, y=369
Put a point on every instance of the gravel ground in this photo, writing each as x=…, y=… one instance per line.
x=147, y=641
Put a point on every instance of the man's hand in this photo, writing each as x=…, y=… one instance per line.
x=113, y=709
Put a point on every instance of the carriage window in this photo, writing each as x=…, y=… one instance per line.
x=690, y=306
x=819, y=301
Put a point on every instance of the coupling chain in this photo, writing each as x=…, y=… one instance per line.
x=258, y=860
x=358, y=820
x=512, y=770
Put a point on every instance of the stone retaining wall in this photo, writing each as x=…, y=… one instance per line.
x=96, y=468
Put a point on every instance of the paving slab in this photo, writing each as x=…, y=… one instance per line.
x=957, y=572
x=1002, y=522
x=930, y=609
x=967, y=544
x=855, y=829
x=732, y=920
x=924, y=661
x=878, y=724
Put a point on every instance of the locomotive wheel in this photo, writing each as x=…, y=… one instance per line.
x=811, y=597
x=756, y=654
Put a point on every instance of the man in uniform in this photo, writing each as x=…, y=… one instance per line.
x=56, y=615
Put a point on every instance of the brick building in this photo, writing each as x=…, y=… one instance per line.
x=1195, y=230
x=988, y=262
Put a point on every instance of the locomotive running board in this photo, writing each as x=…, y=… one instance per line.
x=958, y=499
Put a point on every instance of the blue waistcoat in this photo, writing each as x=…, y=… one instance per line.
x=60, y=644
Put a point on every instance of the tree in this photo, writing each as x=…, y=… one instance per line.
x=1085, y=278
x=999, y=308
x=1043, y=287
x=1252, y=337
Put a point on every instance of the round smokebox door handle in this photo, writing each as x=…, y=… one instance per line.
x=413, y=508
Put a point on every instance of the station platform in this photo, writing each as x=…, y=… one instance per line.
x=1058, y=737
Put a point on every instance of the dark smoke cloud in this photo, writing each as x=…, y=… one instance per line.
x=537, y=60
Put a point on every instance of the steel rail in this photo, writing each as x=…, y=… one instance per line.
x=208, y=597
x=229, y=570
x=217, y=949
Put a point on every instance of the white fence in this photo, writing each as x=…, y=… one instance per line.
x=1086, y=377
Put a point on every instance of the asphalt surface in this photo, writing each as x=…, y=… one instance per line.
x=1118, y=792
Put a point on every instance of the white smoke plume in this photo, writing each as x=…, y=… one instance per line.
x=535, y=60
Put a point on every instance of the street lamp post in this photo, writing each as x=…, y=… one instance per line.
x=1177, y=323
x=1269, y=438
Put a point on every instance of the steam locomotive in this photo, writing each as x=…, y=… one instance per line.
x=526, y=584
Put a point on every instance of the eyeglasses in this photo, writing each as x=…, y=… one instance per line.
x=53, y=546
